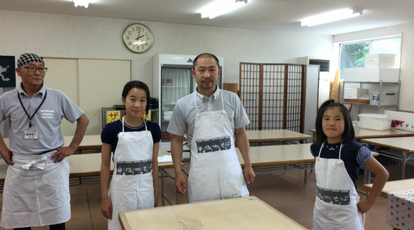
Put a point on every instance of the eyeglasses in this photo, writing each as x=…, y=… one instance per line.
x=33, y=69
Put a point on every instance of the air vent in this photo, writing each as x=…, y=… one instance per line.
x=324, y=64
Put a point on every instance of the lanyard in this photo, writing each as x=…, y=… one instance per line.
x=30, y=117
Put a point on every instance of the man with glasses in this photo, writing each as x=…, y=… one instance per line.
x=36, y=188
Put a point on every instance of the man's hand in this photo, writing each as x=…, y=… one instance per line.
x=180, y=184
x=249, y=174
x=61, y=153
x=8, y=157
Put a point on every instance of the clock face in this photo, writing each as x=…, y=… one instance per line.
x=138, y=38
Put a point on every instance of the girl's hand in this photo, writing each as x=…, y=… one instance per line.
x=106, y=207
x=249, y=174
x=364, y=206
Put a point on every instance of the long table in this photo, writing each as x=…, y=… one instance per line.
x=239, y=213
x=278, y=158
x=369, y=133
x=88, y=142
x=86, y=169
x=276, y=135
x=392, y=186
x=268, y=158
x=403, y=144
x=254, y=136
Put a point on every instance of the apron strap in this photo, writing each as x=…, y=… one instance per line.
x=320, y=150
x=195, y=102
x=145, y=123
x=323, y=144
x=122, y=120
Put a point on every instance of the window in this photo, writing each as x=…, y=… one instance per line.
x=352, y=55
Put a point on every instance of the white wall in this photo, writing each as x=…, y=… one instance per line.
x=65, y=36
x=407, y=56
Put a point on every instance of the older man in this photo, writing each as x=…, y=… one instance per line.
x=36, y=190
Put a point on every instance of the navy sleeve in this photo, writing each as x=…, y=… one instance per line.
x=315, y=149
x=155, y=131
x=106, y=135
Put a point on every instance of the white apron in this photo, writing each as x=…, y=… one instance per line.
x=36, y=192
x=132, y=183
x=336, y=200
x=215, y=171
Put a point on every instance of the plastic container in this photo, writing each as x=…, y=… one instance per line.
x=379, y=60
x=374, y=121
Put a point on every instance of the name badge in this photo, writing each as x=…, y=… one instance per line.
x=31, y=135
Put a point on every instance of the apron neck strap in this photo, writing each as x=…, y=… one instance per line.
x=123, y=123
x=323, y=144
x=195, y=102
x=122, y=120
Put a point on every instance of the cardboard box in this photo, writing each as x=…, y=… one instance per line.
x=372, y=74
x=379, y=60
x=374, y=121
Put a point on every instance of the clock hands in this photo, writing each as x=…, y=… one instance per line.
x=139, y=32
x=137, y=42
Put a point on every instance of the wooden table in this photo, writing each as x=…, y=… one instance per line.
x=280, y=158
x=88, y=142
x=245, y=213
x=392, y=186
x=403, y=144
x=276, y=135
x=266, y=159
x=369, y=133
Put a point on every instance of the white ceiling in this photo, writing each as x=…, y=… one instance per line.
x=272, y=15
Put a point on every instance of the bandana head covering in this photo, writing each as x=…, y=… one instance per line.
x=28, y=58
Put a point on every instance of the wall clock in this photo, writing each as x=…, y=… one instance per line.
x=138, y=38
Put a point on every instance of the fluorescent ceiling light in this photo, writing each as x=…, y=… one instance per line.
x=331, y=16
x=220, y=7
x=84, y=3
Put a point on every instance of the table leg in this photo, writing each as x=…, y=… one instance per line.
x=404, y=161
x=306, y=173
x=162, y=190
